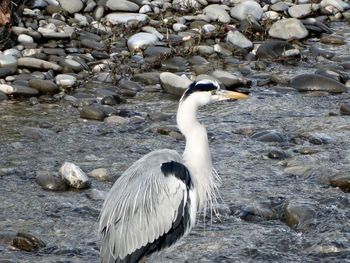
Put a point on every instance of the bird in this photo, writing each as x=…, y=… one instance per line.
x=155, y=201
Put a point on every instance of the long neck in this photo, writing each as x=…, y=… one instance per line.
x=196, y=155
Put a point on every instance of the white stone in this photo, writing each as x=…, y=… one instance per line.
x=141, y=40
x=299, y=11
x=65, y=80
x=247, y=9
x=12, y=52
x=271, y=15
x=173, y=83
x=177, y=27
x=81, y=19
x=90, y=5
x=71, y=6
x=25, y=39
x=122, y=18
x=151, y=29
x=8, y=61
x=207, y=28
x=237, y=39
x=338, y=4
x=53, y=2
x=73, y=175
x=145, y=9
x=7, y=89
x=288, y=28
x=99, y=68
x=122, y=5
x=217, y=13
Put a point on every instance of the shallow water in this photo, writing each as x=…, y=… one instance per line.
x=67, y=221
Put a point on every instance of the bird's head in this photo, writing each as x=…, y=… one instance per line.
x=207, y=91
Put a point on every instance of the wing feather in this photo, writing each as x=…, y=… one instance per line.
x=142, y=205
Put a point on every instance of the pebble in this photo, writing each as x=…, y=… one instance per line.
x=247, y=9
x=44, y=86
x=8, y=61
x=74, y=176
x=65, y=80
x=122, y=5
x=239, y=40
x=141, y=40
x=217, y=13
x=303, y=10
x=25, y=39
x=92, y=113
x=71, y=6
x=230, y=80
x=289, y=28
x=124, y=18
x=314, y=82
x=35, y=63
x=173, y=83
x=18, y=90
x=50, y=181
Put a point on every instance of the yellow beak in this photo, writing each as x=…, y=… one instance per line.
x=226, y=94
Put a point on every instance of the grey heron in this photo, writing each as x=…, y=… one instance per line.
x=155, y=201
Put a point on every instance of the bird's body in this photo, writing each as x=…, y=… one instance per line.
x=155, y=201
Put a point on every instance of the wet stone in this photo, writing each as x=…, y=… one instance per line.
x=4, y=72
x=273, y=49
x=268, y=136
x=35, y=63
x=155, y=51
x=278, y=155
x=18, y=90
x=247, y=9
x=74, y=176
x=148, y=78
x=43, y=86
x=342, y=181
x=299, y=214
x=50, y=181
x=314, y=82
x=28, y=242
x=100, y=55
x=100, y=174
x=345, y=109
x=3, y=96
x=92, y=113
x=122, y=5
x=8, y=61
x=328, y=39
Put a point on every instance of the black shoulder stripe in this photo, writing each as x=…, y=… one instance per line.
x=199, y=86
x=179, y=171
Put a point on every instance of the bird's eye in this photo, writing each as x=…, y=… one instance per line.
x=213, y=92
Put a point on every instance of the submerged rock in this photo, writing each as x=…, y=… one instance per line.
x=315, y=82
x=74, y=176
x=268, y=136
x=273, y=49
x=299, y=214
x=50, y=181
x=342, y=181
x=100, y=174
x=28, y=242
x=345, y=109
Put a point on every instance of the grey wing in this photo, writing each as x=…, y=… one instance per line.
x=142, y=206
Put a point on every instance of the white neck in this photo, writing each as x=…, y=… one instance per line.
x=196, y=155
